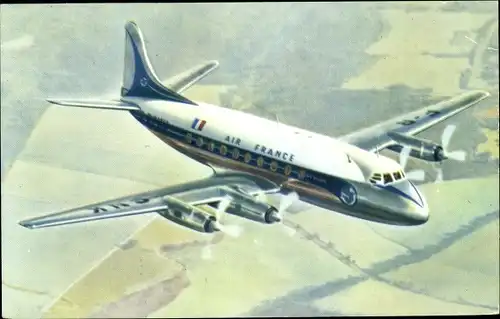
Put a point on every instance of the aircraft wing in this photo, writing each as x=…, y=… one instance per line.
x=184, y=80
x=205, y=191
x=377, y=137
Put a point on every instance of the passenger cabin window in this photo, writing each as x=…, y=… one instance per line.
x=189, y=137
x=223, y=150
x=274, y=166
x=248, y=157
x=199, y=141
x=236, y=153
x=288, y=170
x=260, y=161
x=211, y=146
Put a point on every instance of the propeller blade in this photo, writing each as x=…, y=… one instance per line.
x=261, y=197
x=418, y=175
x=222, y=207
x=439, y=175
x=287, y=201
x=232, y=230
x=457, y=155
x=446, y=137
x=403, y=156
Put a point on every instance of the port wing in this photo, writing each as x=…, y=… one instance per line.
x=377, y=137
x=200, y=192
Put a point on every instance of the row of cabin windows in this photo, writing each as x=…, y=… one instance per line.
x=153, y=120
x=223, y=150
x=247, y=158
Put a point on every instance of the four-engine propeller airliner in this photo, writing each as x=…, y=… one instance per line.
x=252, y=156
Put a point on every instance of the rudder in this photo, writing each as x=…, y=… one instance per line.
x=139, y=78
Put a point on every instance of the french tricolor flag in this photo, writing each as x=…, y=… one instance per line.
x=198, y=124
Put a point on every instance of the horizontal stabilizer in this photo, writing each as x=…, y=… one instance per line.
x=185, y=80
x=97, y=104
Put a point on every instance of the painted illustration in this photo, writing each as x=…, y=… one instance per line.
x=318, y=159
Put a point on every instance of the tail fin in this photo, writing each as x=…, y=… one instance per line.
x=139, y=78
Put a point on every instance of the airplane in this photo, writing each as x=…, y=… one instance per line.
x=252, y=156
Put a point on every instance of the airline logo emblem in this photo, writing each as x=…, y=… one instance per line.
x=348, y=195
x=198, y=124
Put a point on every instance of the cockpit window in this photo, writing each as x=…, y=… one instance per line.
x=387, y=178
x=397, y=176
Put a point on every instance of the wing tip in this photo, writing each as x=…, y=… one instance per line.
x=476, y=96
x=52, y=101
x=26, y=224
x=483, y=93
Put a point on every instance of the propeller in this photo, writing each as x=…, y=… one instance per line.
x=285, y=203
x=261, y=197
x=454, y=155
x=419, y=175
x=416, y=175
x=445, y=140
x=231, y=230
x=439, y=175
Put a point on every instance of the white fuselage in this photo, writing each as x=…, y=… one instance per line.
x=324, y=171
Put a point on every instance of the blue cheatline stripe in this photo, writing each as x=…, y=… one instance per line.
x=394, y=190
x=194, y=123
x=331, y=183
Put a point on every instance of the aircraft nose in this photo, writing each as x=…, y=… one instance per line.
x=420, y=212
x=417, y=212
x=420, y=215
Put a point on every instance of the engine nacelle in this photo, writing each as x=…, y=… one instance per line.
x=189, y=216
x=422, y=149
x=246, y=206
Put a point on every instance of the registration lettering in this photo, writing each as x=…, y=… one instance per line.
x=110, y=207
